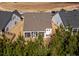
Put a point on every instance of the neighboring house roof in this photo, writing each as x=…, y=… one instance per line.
x=37, y=21
x=5, y=17
x=17, y=13
x=70, y=18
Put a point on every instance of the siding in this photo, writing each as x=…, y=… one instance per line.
x=57, y=20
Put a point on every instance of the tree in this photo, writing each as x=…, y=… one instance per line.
x=62, y=43
x=57, y=44
x=36, y=48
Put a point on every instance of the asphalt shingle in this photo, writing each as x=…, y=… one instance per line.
x=70, y=18
x=4, y=18
x=37, y=21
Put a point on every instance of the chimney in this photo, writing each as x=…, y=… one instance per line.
x=53, y=12
x=63, y=10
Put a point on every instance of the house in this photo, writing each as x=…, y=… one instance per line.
x=37, y=23
x=8, y=20
x=67, y=18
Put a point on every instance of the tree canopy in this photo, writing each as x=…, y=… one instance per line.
x=63, y=43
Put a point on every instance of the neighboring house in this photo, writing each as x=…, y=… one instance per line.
x=36, y=23
x=67, y=18
x=8, y=20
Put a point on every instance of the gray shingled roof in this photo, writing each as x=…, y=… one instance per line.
x=37, y=21
x=5, y=17
x=70, y=18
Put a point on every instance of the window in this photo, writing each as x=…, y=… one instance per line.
x=13, y=17
x=7, y=29
x=47, y=29
x=57, y=22
x=33, y=34
x=15, y=22
x=74, y=30
x=27, y=34
x=36, y=34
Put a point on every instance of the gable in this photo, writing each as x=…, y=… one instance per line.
x=5, y=17
x=15, y=17
x=57, y=19
x=13, y=21
x=17, y=13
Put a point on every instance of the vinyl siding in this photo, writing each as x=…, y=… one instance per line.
x=57, y=20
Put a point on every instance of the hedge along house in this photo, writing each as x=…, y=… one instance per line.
x=8, y=20
x=37, y=23
x=67, y=18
